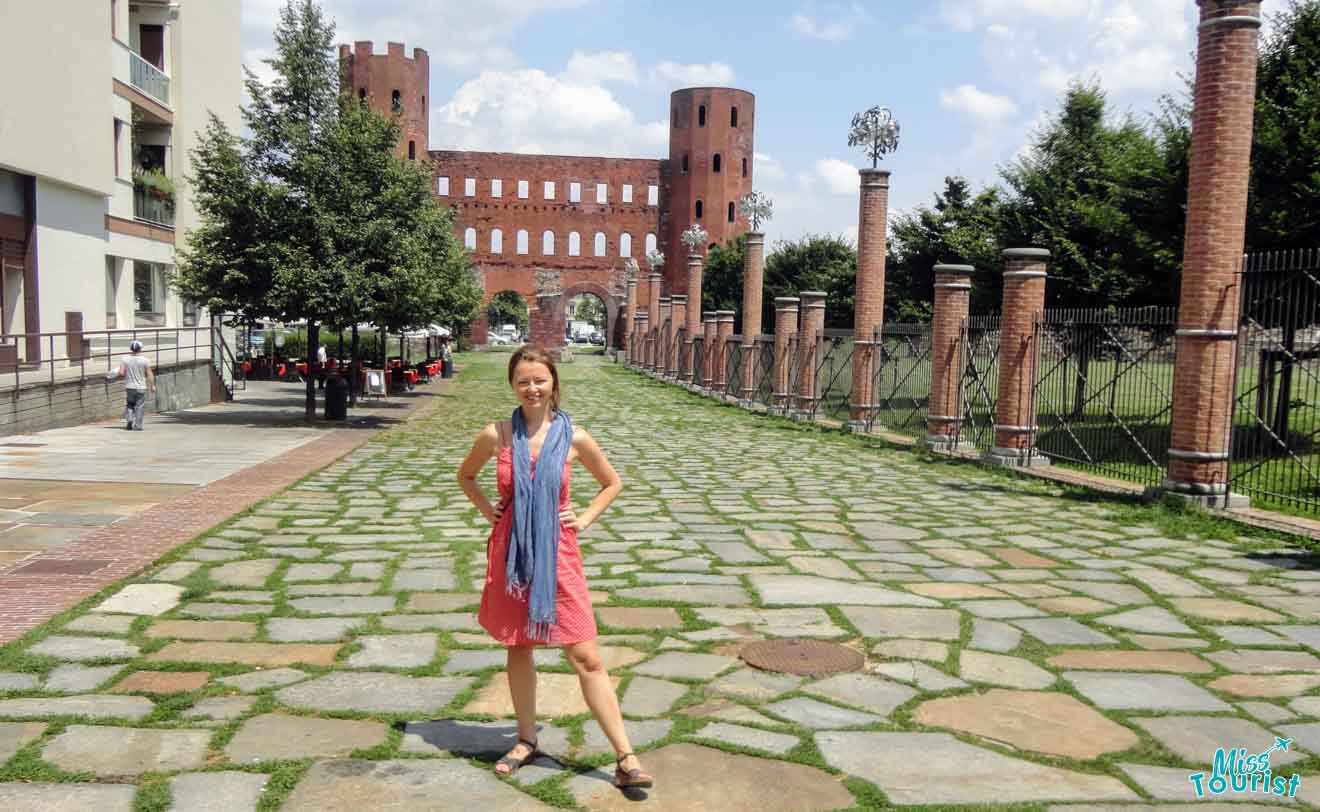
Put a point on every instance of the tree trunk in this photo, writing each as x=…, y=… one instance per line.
x=1083, y=372
x=313, y=342
x=353, y=374
x=1284, y=402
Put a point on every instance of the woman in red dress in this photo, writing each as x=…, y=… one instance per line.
x=516, y=604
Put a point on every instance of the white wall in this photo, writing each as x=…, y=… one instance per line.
x=70, y=256
x=55, y=118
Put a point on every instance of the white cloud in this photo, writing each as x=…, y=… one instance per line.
x=767, y=169
x=977, y=103
x=605, y=66
x=966, y=15
x=836, y=22
x=808, y=27
x=675, y=75
x=839, y=177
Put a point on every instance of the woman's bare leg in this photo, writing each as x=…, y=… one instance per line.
x=521, y=669
x=600, y=697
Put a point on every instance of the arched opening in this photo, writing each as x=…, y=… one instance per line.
x=574, y=244
x=424, y=109
x=521, y=245
x=396, y=101
x=586, y=320
x=715, y=163
x=507, y=320
x=496, y=241
x=412, y=150
x=701, y=116
x=733, y=116
x=701, y=209
x=547, y=243
x=685, y=163
x=732, y=214
x=362, y=94
x=744, y=167
x=650, y=244
x=470, y=238
x=599, y=244
x=625, y=244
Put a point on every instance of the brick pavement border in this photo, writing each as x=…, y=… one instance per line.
x=133, y=544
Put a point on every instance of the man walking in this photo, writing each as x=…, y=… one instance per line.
x=138, y=378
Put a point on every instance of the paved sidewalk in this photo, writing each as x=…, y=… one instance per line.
x=1020, y=649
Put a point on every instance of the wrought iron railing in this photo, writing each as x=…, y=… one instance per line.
x=834, y=374
x=979, y=386
x=1103, y=389
x=44, y=359
x=901, y=379
x=151, y=209
x=148, y=78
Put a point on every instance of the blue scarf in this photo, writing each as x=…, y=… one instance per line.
x=529, y=568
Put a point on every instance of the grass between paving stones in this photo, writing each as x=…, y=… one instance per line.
x=153, y=793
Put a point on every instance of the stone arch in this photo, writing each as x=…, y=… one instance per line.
x=482, y=326
x=601, y=292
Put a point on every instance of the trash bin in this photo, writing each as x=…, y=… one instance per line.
x=447, y=370
x=336, y=398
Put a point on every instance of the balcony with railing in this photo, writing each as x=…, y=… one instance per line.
x=151, y=208
x=148, y=78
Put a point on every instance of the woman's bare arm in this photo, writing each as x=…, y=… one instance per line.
x=595, y=462
x=483, y=448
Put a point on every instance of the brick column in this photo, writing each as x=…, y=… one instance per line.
x=653, y=318
x=708, y=350
x=693, y=376
x=786, y=316
x=753, y=290
x=663, y=336
x=953, y=288
x=678, y=318
x=639, y=345
x=1208, y=305
x=629, y=309
x=869, y=306
x=809, y=340
x=724, y=334
x=1015, y=411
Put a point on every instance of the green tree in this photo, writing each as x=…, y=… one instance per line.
x=825, y=263
x=722, y=279
x=590, y=309
x=507, y=307
x=1285, y=168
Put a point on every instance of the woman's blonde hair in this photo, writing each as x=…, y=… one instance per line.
x=537, y=355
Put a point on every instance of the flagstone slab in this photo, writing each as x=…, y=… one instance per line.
x=442, y=601
x=726, y=710
x=68, y=797
x=228, y=791
x=1265, y=662
x=649, y=697
x=1225, y=611
x=640, y=734
x=994, y=635
x=126, y=750
x=264, y=654
x=372, y=605
x=954, y=591
x=432, y=784
x=1167, y=584
x=84, y=649
x=1124, y=691
x=693, y=778
x=1063, y=631
x=1302, y=607
x=936, y=768
x=1194, y=739
x=1043, y=722
x=925, y=624
x=278, y=736
x=1073, y=605
x=1177, y=662
x=371, y=691
x=142, y=599
x=254, y=681
x=78, y=678
x=1160, y=642
x=556, y=695
x=735, y=552
x=912, y=650
x=800, y=622
x=94, y=706
x=1171, y=784
x=394, y=651
x=251, y=573
x=100, y=624
x=203, y=629
x=754, y=684
x=221, y=609
x=819, y=715
x=1000, y=609
x=998, y=669
x=1021, y=558
x=813, y=590
x=712, y=594
x=639, y=617
x=14, y=736
x=1306, y=735
x=685, y=665
x=162, y=682
x=749, y=737
x=865, y=691
x=1150, y=619
x=920, y=674
x=311, y=630
x=222, y=708
x=1266, y=686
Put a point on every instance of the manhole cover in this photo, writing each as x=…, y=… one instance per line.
x=59, y=566
x=807, y=658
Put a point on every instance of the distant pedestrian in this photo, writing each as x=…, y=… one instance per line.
x=322, y=358
x=138, y=378
x=446, y=358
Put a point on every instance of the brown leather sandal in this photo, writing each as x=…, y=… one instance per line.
x=630, y=778
x=513, y=762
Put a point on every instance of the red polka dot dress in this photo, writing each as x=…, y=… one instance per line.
x=504, y=615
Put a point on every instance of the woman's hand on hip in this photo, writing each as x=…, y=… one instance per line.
x=496, y=511
x=568, y=517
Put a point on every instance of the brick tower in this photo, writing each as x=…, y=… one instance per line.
x=392, y=83
x=710, y=168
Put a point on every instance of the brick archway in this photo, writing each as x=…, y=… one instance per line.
x=481, y=326
x=600, y=292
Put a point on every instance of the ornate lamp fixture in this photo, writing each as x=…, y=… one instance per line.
x=876, y=132
x=694, y=238
x=757, y=207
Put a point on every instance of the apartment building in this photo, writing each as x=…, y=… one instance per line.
x=102, y=103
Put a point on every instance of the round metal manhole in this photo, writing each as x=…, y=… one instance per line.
x=806, y=658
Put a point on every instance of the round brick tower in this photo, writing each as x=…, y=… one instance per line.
x=710, y=169
x=393, y=83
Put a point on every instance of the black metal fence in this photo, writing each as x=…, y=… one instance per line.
x=1276, y=414
x=979, y=387
x=1103, y=389
x=834, y=360
x=901, y=379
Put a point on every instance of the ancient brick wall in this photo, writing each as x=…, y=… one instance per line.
x=375, y=78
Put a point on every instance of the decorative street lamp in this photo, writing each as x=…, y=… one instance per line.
x=655, y=259
x=876, y=132
x=756, y=207
x=630, y=268
x=694, y=238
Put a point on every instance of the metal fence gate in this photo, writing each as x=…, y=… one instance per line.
x=1276, y=410
x=901, y=379
x=979, y=387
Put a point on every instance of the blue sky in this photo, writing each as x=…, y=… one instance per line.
x=969, y=80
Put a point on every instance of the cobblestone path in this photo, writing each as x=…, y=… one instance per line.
x=1022, y=649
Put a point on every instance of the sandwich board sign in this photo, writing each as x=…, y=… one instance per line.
x=376, y=382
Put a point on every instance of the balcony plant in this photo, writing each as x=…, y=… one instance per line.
x=154, y=183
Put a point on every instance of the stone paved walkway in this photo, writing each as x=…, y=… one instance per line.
x=1022, y=649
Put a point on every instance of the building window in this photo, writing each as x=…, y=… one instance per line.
x=522, y=190
x=716, y=163
x=396, y=103
x=522, y=241
x=733, y=117
x=497, y=188
x=732, y=216
x=362, y=94
x=625, y=244
x=412, y=150
x=744, y=167
x=602, y=193
x=119, y=134
x=653, y=195
x=650, y=243
x=549, y=190
x=148, y=292
x=548, y=243
x=423, y=105
x=700, y=209
x=496, y=241
x=701, y=116
x=599, y=244
x=574, y=244
x=470, y=239
x=574, y=193
x=470, y=187
x=627, y=193
x=114, y=18
x=685, y=163
x=442, y=186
